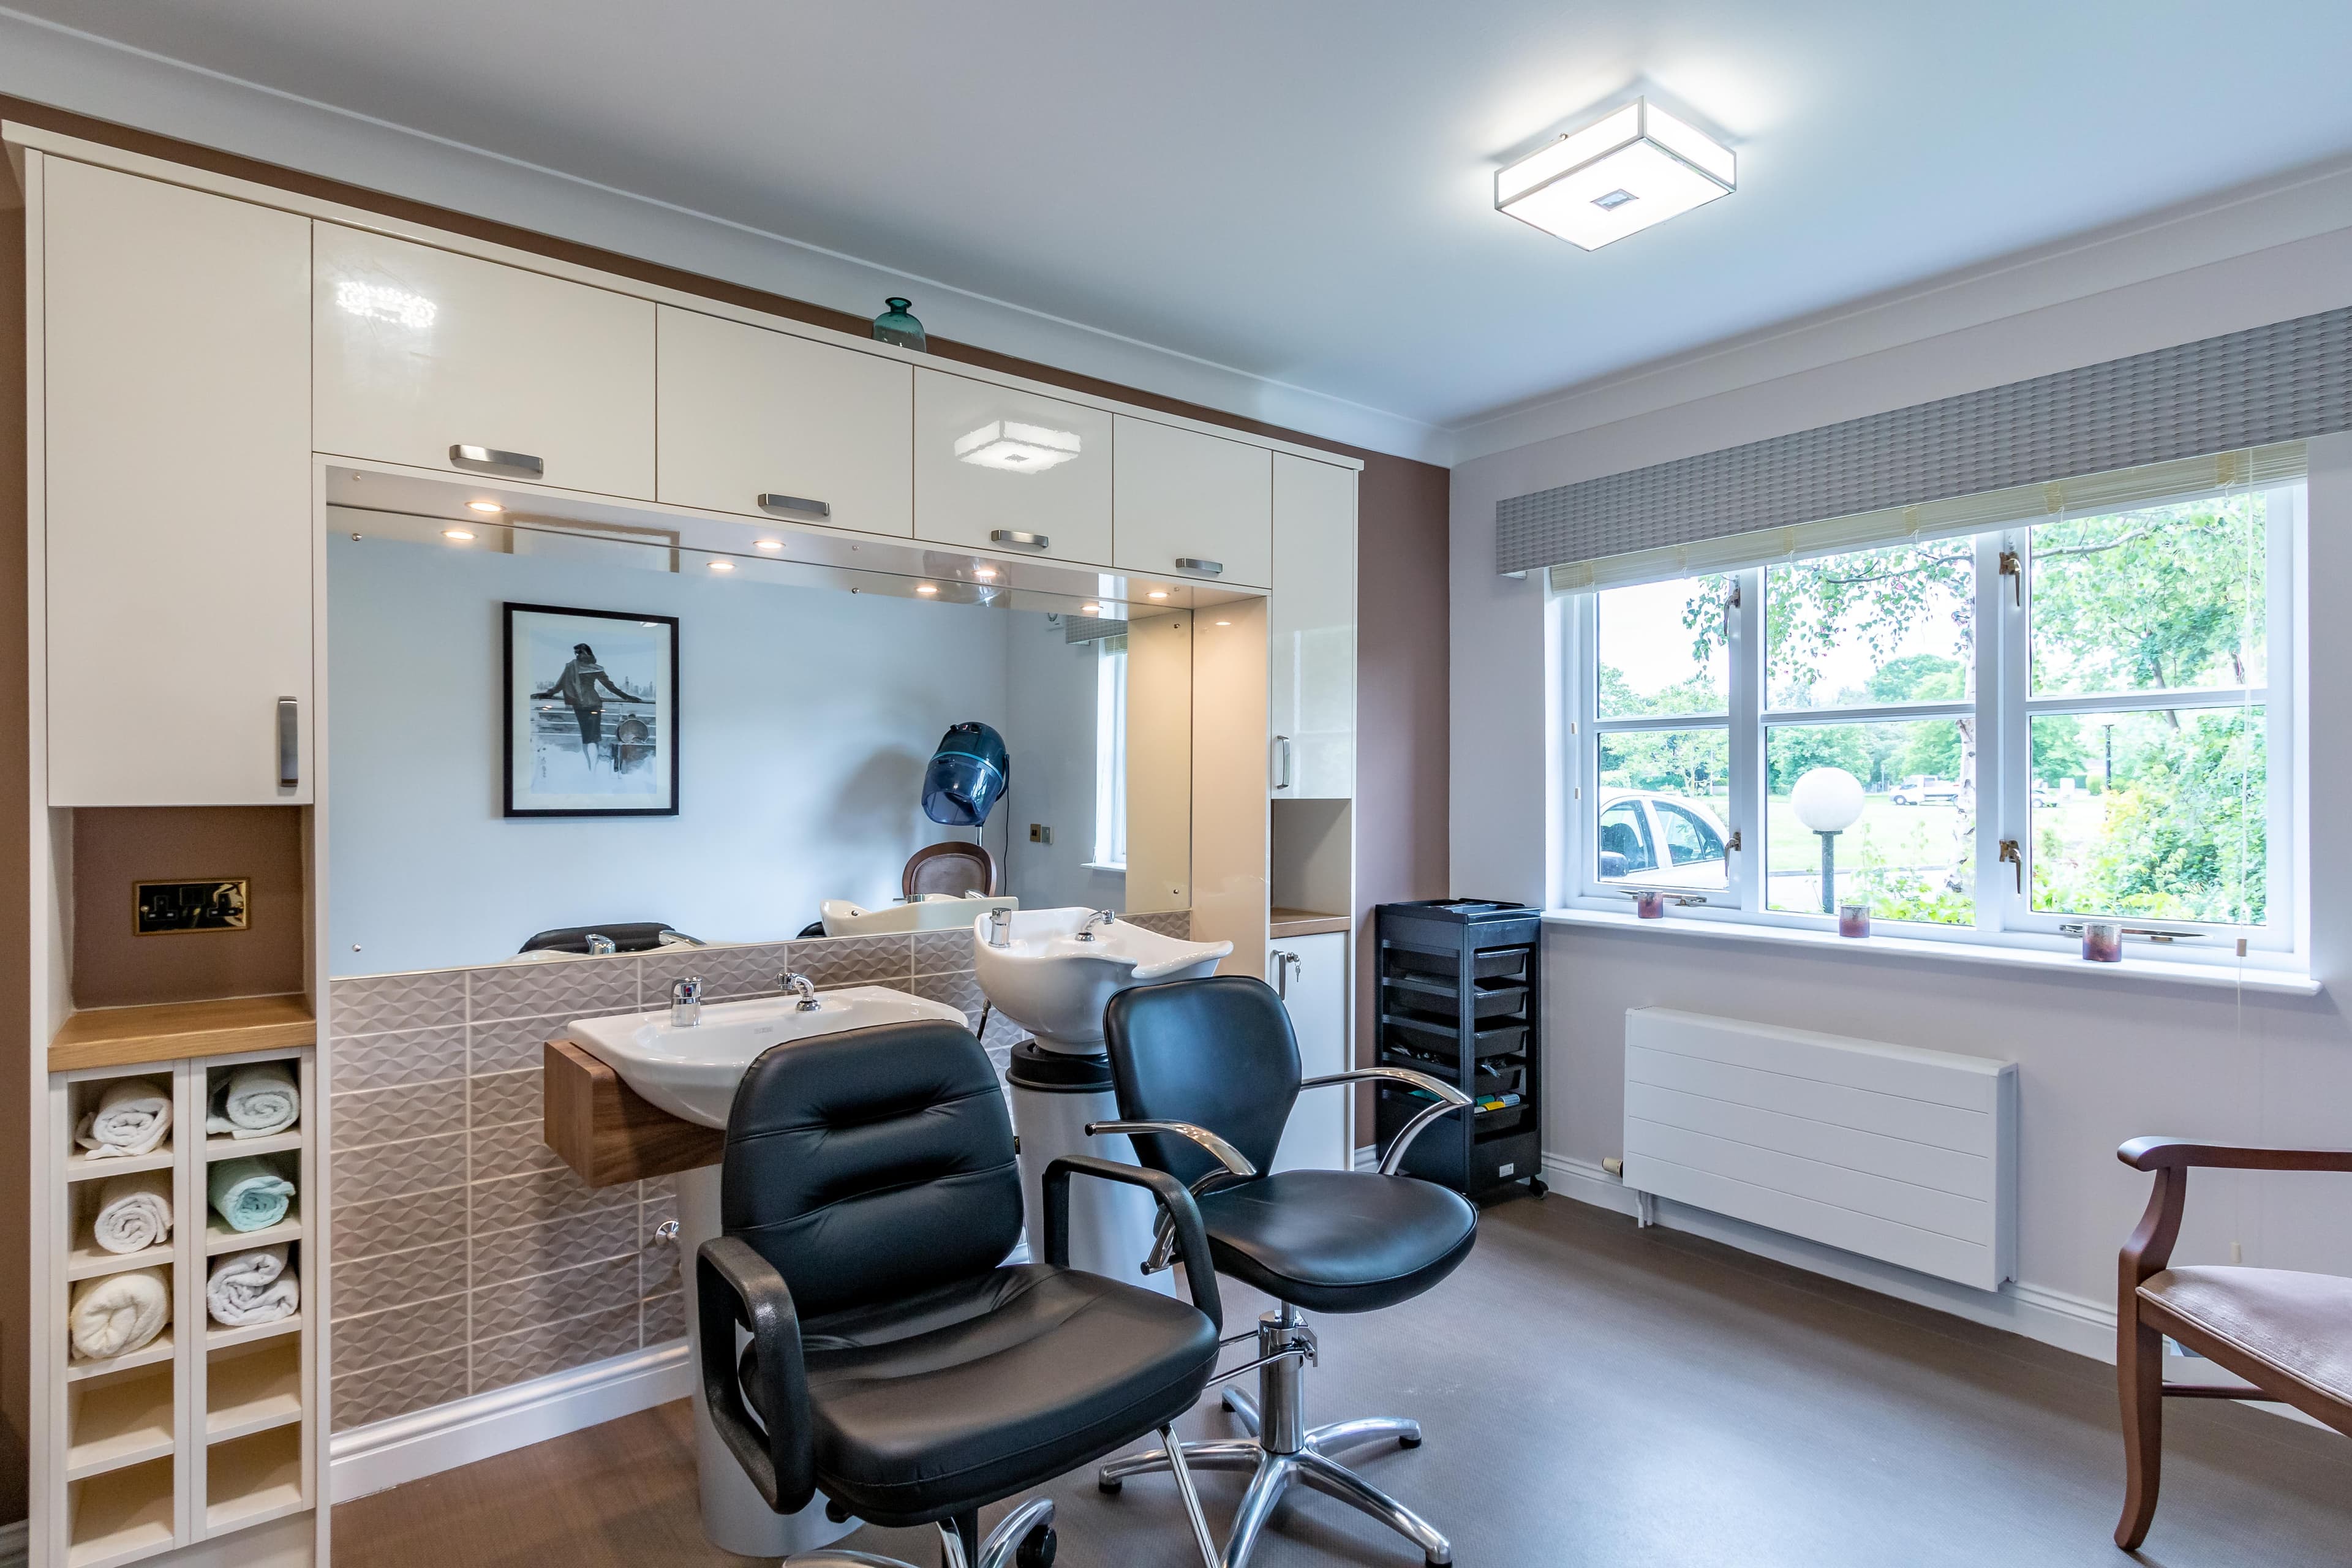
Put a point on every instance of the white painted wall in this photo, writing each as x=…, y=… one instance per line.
x=2101, y=1059
x=807, y=717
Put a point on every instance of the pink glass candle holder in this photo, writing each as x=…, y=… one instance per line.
x=1650, y=904
x=2103, y=941
x=1853, y=920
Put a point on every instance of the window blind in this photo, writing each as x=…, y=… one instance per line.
x=2238, y=393
x=2151, y=484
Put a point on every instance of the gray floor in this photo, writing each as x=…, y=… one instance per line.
x=1591, y=1395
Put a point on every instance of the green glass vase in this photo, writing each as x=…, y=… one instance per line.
x=895, y=326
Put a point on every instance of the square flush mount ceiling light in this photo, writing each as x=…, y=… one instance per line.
x=1022, y=449
x=1638, y=166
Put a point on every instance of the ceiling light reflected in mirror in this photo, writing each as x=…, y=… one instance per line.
x=383, y=302
x=1016, y=447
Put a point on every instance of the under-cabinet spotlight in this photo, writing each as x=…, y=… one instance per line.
x=926, y=588
x=1224, y=622
x=722, y=566
x=490, y=508
x=461, y=535
x=769, y=545
x=985, y=573
x=1635, y=167
x=1156, y=593
x=1090, y=609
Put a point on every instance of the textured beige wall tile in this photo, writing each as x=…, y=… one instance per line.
x=396, y=1225
x=513, y=1045
x=957, y=990
x=399, y=1279
x=399, y=1333
x=664, y=1319
x=548, y=1298
x=394, y=1170
x=574, y=987
x=399, y=1388
x=942, y=951
x=511, y=1202
x=658, y=1258
x=595, y=1236
x=386, y=1061
x=373, y=1003
x=510, y=1151
x=503, y=1098
x=727, y=972
x=411, y=1111
x=855, y=961
x=554, y=1347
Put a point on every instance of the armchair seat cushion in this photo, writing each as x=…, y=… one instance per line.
x=1338, y=1241
x=968, y=1393
x=2299, y=1325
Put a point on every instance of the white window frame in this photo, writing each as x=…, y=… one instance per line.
x=1110, y=754
x=2004, y=806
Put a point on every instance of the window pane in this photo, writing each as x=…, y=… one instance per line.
x=1875, y=626
x=1663, y=648
x=2169, y=597
x=2161, y=814
x=1911, y=855
x=1659, y=809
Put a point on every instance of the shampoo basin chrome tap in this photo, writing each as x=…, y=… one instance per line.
x=1053, y=981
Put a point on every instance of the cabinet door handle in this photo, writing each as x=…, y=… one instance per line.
x=822, y=510
x=1282, y=750
x=290, y=743
x=1025, y=540
x=1205, y=568
x=1283, y=962
x=490, y=461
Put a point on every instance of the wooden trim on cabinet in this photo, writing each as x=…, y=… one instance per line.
x=169, y=1031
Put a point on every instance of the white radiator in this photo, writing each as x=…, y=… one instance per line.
x=1901, y=1155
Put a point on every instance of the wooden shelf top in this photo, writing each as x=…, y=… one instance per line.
x=1282, y=922
x=127, y=1037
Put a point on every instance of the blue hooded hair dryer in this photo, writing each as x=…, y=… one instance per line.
x=966, y=776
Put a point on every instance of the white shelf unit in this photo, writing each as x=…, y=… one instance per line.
x=205, y=1430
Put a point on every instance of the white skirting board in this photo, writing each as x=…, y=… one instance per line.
x=407, y=1448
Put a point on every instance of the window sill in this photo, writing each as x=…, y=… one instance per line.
x=1104, y=866
x=2142, y=971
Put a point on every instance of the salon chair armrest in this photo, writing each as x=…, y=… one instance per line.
x=1191, y=1240
x=1449, y=1098
x=733, y=1284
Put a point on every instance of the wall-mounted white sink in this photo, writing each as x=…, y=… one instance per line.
x=925, y=911
x=692, y=1072
x=1053, y=982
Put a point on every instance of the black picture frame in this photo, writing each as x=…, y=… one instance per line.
x=539, y=755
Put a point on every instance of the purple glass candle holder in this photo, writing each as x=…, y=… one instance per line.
x=1650, y=904
x=2103, y=941
x=1853, y=920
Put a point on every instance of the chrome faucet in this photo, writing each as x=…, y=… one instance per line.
x=600, y=945
x=686, y=1001
x=1099, y=918
x=801, y=986
x=1000, y=927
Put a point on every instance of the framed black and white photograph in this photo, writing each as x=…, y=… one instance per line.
x=592, y=712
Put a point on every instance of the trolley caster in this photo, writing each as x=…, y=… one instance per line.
x=1536, y=1187
x=1036, y=1548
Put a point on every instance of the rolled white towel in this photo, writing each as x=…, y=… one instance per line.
x=115, y=1314
x=254, y=1100
x=134, y=1212
x=252, y=1287
x=130, y=1117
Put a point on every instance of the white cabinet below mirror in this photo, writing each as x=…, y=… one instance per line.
x=1193, y=506
x=441, y=361
x=1311, y=974
x=1010, y=472
x=1311, y=632
x=765, y=423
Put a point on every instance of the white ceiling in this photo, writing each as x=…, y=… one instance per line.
x=1301, y=190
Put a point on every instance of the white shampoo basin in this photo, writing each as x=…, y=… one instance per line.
x=692, y=1072
x=926, y=911
x=1054, y=984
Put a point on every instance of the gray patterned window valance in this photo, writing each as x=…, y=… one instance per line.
x=2267, y=386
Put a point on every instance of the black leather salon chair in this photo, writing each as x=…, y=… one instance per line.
x=1199, y=1061
x=867, y=1197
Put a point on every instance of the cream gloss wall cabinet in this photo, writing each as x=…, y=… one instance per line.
x=1311, y=631
x=176, y=493
x=1311, y=974
x=764, y=423
x=1001, y=470
x=436, y=360
x=1189, y=505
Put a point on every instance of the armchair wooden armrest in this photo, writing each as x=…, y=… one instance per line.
x=2178, y=1154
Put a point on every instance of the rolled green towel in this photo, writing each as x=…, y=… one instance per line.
x=248, y=1194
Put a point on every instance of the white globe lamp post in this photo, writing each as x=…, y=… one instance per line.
x=1828, y=801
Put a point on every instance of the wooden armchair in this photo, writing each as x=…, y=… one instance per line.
x=2288, y=1334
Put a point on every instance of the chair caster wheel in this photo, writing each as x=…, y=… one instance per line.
x=1536, y=1187
x=1107, y=1485
x=1037, y=1549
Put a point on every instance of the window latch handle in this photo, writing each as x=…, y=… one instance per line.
x=2013, y=569
x=2010, y=854
x=1731, y=845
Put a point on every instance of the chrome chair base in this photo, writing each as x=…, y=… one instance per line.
x=1281, y=1450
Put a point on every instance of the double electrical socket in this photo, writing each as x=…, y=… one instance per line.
x=1040, y=833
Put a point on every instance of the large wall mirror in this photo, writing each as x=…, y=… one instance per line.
x=802, y=707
